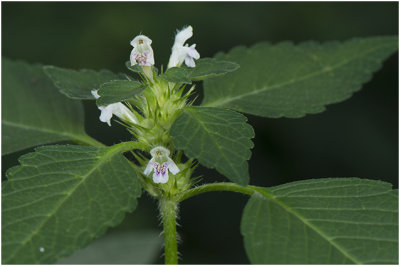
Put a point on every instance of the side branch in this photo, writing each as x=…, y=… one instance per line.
x=248, y=190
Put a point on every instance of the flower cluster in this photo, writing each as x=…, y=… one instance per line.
x=157, y=107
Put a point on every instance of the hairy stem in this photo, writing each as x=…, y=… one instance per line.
x=249, y=190
x=168, y=209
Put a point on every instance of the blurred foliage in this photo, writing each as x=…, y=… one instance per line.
x=358, y=137
x=131, y=247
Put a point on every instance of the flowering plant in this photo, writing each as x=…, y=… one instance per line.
x=61, y=197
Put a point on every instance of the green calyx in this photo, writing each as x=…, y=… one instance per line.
x=157, y=107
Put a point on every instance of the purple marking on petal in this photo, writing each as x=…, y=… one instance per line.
x=157, y=168
x=160, y=169
x=163, y=170
x=141, y=59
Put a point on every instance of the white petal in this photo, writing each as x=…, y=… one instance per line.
x=150, y=58
x=149, y=168
x=182, y=54
x=183, y=35
x=123, y=112
x=163, y=179
x=172, y=167
x=95, y=94
x=142, y=53
x=132, y=58
x=156, y=178
x=193, y=53
x=174, y=59
x=178, y=56
x=179, y=51
x=159, y=149
x=141, y=39
x=189, y=62
x=106, y=114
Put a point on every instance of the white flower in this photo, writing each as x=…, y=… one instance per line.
x=117, y=109
x=142, y=53
x=160, y=163
x=183, y=53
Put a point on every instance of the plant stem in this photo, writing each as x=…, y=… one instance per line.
x=168, y=210
x=249, y=190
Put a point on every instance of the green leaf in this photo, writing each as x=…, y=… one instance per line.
x=209, y=68
x=60, y=198
x=138, y=69
x=177, y=74
x=286, y=80
x=218, y=138
x=135, y=68
x=205, y=68
x=140, y=247
x=119, y=90
x=323, y=221
x=78, y=84
x=34, y=112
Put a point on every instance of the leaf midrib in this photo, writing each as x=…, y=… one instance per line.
x=105, y=156
x=305, y=221
x=283, y=84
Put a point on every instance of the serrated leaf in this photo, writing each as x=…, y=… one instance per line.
x=210, y=67
x=34, y=112
x=323, y=221
x=79, y=84
x=218, y=138
x=287, y=80
x=60, y=198
x=119, y=90
x=137, y=247
x=177, y=74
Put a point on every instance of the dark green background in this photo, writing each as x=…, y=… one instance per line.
x=358, y=137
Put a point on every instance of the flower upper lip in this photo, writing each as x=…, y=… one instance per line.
x=141, y=39
x=183, y=53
